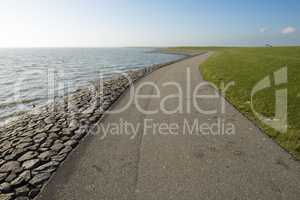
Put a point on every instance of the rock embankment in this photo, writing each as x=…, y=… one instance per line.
x=33, y=147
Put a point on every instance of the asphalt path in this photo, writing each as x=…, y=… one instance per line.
x=188, y=154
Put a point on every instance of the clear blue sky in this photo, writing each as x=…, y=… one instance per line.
x=33, y=23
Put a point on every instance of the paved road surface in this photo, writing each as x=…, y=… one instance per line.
x=246, y=165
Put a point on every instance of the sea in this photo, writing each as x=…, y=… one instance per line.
x=28, y=76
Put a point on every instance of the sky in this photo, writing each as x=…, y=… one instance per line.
x=118, y=23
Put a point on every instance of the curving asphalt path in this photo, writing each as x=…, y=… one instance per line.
x=246, y=165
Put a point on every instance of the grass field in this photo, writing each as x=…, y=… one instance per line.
x=247, y=66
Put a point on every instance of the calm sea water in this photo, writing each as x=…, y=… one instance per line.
x=26, y=75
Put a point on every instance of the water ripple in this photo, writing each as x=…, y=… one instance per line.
x=25, y=72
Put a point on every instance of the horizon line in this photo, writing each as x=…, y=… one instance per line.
x=167, y=46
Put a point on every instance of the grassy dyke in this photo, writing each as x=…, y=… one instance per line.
x=246, y=67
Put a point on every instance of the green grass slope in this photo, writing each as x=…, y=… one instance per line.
x=247, y=66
